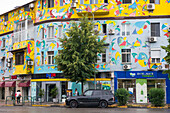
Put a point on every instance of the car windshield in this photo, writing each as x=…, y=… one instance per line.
x=88, y=93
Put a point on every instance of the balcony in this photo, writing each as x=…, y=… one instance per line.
x=24, y=35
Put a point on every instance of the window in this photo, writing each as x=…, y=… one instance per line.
x=43, y=4
x=88, y=93
x=155, y=1
x=97, y=92
x=42, y=58
x=105, y=1
x=42, y=33
x=93, y=1
x=3, y=43
x=155, y=29
x=3, y=62
x=26, y=7
x=50, y=3
x=126, y=55
x=126, y=1
x=11, y=62
x=50, y=31
x=104, y=56
x=125, y=29
x=60, y=31
x=50, y=57
x=81, y=1
x=104, y=28
x=155, y=55
x=6, y=17
x=19, y=58
x=61, y=2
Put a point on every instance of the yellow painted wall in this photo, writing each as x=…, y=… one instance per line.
x=28, y=54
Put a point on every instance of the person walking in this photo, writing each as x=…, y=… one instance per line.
x=18, y=96
x=76, y=92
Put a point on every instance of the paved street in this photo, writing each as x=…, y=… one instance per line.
x=78, y=110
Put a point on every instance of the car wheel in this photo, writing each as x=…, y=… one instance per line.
x=103, y=104
x=73, y=104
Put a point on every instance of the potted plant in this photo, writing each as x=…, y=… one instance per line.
x=54, y=93
x=41, y=94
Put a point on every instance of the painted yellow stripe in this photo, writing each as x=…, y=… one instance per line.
x=41, y=105
x=64, y=79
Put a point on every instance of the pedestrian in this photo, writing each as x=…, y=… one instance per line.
x=76, y=92
x=18, y=96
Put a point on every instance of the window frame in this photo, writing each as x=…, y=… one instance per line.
x=51, y=58
x=81, y=1
x=42, y=4
x=11, y=62
x=104, y=59
x=104, y=29
x=51, y=31
x=3, y=62
x=127, y=3
x=6, y=17
x=19, y=59
x=62, y=3
x=3, y=43
x=60, y=31
x=126, y=53
x=42, y=57
x=51, y=3
x=94, y=1
x=155, y=35
x=42, y=33
x=126, y=29
x=156, y=59
x=154, y=2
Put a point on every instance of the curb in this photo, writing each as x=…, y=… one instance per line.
x=41, y=105
x=8, y=105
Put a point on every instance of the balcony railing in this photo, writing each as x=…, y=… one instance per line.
x=23, y=35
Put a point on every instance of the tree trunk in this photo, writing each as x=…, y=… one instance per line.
x=82, y=86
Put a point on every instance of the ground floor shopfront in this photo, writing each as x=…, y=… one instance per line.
x=10, y=85
x=138, y=83
x=65, y=87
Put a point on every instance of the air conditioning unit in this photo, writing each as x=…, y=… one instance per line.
x=111, y=32
x=5, y=23
x=169, y=29
x=163, y=67
x=112, y=75
x=8, y=60
x=73, y=5
x=31, y=6
x=152, y=39
x=150, y=7
x=76, y=1
x=30, y=63
x=126, y=66
x=8, y=64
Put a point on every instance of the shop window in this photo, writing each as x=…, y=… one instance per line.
x=50, y=3
x=19, y=58
x=81, y=1
x=104, y=28
x=50, y=57
x=6, y=17
x=42, y=58
x=93, y=1
x=26, y=7
x=50, y=31
x=61, y=2
x=105, y=1
x=43, y=4
x=155, y=29
x=155, y=55
x=3, y=45
x=126, y=1
x=104, y=56
x=155, y=1
x=42, y=33
x=125, y=29
x=60, y=31
x=126, y=55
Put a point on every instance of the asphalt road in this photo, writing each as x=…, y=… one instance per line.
x=24, y=109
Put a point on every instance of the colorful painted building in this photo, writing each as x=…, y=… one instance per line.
x=134, y=31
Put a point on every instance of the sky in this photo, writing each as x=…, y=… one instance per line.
x=7, y=5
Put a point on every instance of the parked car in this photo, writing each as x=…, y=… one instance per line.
x=101, y=98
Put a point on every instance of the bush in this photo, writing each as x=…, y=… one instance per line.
x=41, y=93
x=122, y=96
x=157, y=96
x=54, y=92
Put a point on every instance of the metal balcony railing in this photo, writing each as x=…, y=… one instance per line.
x=23, y=35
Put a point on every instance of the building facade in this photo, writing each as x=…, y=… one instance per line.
x=134, y=31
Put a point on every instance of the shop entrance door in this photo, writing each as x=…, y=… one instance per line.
x=25, y=91
x=49, y=87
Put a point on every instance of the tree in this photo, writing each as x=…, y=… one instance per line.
x=79, y=54
x=122, y=96
x=167, y=57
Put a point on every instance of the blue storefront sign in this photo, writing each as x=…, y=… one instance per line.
x=143, y=75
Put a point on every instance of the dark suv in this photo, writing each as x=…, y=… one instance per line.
x=102, y=98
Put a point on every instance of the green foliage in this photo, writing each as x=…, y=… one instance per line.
x=76, y=59
x=41, y=93
x=54, y=92
x=167, y=57
x=157, y=96
x=122, y=96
